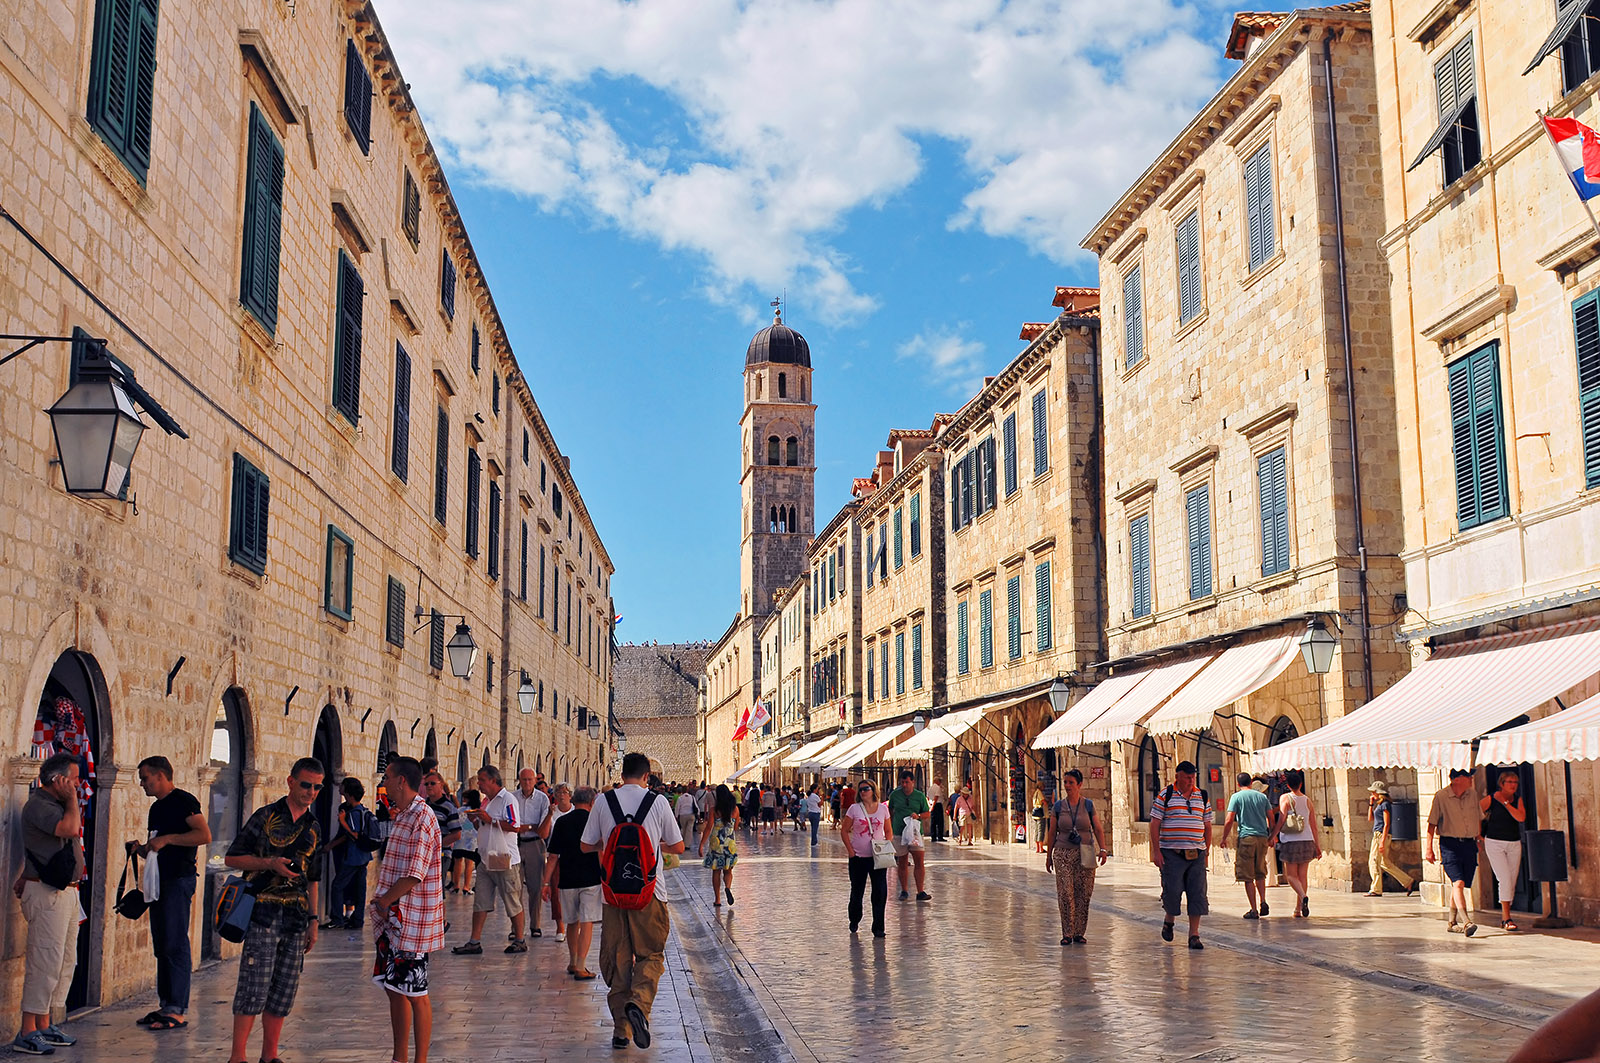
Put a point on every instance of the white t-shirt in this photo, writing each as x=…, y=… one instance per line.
x=503, y=808
x=813, y=805
x=935, y=793
x=685, y=804
x=659, y=823
x=704, y=799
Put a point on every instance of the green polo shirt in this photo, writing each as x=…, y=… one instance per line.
x=901, y=805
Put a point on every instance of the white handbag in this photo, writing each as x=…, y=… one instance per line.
x=883, y=855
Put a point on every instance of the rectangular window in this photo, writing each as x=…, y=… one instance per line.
x=436, y=640
x=477, y=356
x=1132, y=318
x=1197, y=507
x=569, y=612
x=540, y=610
x=899, y=528
x=411, y=210
x=1477, y=431
x=339, y=573
x=555, y=597
x=1041, y=434
x=883, y=671
x=986, y=629
x=494, y=529
x=1008, y=452
x=963, y=655
x=1139, y=563
x=1014, y=618
x=871, y=561
x=987, y=450
x=1273, y=490
x=347, y=342
x=899, y=663
x=524, y=448
x=263, y=223
x=872, y=667
x=916, y=656
x=247, y=525
x=522, y=579
x=474, y=471
x=394, y=619
x=916, y=525
x=122, y=79
x=555, y=502
x=1586, y=324
x=357, y=97
x=1190, y=295
x=400, y=445
x=1259, y=216
x=447, y=285
x=441, y=468
x=1456, y=138
x=1044, y=619
x=494, y=402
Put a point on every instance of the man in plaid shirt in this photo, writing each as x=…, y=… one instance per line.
x=408, y=910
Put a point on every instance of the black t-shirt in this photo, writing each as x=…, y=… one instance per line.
x=1501, y=825
x=578, y=868
x=170, y=815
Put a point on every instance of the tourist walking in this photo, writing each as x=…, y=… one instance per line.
x=348, y=900
x=965, y=815
x=560, y=805
x=1503, y=817
x=813, y=809
x=1036, y=826
x=1074, y=845
x=500, y=866
x=752, y=808
x=723, y=840
x=634, y=921
x=769, y=811
x=177, y=828
x=1380, y=813
x=277, y=849
x=684, y=810
x=533, y=827
x=1457, y=819
x=52, y=867
x=908, y=802
x=1297, y=838
x=1251, y=811
x=464, y=851
x=578, y=874
x=703, y=799
x=866, y=823
x=445, y=811
x=1180, y=845
x=408, y=909
x=936, y=813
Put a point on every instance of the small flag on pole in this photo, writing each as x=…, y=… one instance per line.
x=1579, y=150
x=743, y=728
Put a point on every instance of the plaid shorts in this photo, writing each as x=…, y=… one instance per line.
x=269, y=969
x=405, y=973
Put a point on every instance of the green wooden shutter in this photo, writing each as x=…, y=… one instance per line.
x=986, y=629
x=441, y=467
x=1477, y=438
x=990, y=481
x=1139, y=563
x=263, y=215
x=916, y=525
x=522, y=585
x=1013, y=618
x=347, y=341
x=916, y=656
x=122, y=79
x=395, y=615
x=447, y=285
x=436, y=640
x=1041, y=433
x=474, y=469
x=955, y=497
x=494, y=529
x=1188, y=241
x=900, y=662
x=1586, y=323
x=963, y=656
x=411, y=210
x=899, y=558
x=1273, y=495
x=1008, y=452
x=142, y=90
x=400, y=447
x=1197, y=504
x=357, y=97
x=872, y=668
x=1043, y=621
x=247, y=531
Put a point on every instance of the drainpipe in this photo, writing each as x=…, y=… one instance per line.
x=1349, y=374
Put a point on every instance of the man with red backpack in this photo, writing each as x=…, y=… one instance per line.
x=631, y=828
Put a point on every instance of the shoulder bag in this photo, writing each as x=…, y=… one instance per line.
x=883, y=854
x=130, y=903
x=236, y=902
x=1293, y=820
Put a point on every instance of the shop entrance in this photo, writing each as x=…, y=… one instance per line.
x=1526, y=898
x=328, y=747
x=225, y=807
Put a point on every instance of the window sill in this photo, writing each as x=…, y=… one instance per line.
x=342, y=424
x=1139, y=623
x=397, y=652
x=1200, y=605
x=333, y=619
x=1254, y=276
x=1127, y=373
x=1275, y=581
x=1186, y=327
x=1040, y=477
x=254, y=330
x=245, y=574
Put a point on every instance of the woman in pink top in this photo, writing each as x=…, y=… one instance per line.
x=865, y=822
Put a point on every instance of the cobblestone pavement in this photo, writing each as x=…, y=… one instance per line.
x=976, y=974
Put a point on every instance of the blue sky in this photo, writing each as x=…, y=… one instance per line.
x=641, y=178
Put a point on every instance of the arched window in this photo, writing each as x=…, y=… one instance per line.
x=772, y=518
x=773, y=456
x=794, y=451
x=758, y=386
x=783, y=386
x=1149, y=776
x=802, y=389
x=388, y=746
x=794, y=525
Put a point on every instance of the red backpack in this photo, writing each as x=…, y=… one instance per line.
x=628, y=861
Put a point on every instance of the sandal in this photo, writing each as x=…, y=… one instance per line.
x=1507, y=924
x=1194, y=942
x=148, y=1019
x=167, y=1022
x=584, y=976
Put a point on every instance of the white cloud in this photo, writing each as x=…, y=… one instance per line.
x=764, y=123
x=950, y=360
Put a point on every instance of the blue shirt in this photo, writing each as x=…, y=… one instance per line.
x=1379, y=811
x=1249, y=808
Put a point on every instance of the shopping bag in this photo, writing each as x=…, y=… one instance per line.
x=150, y=881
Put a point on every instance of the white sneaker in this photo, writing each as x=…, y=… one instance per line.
x=561, y=937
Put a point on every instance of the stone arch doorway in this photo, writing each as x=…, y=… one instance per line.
x=74, y=716
x=227, y=802
x=327, y=745
x=388, y=746
x=462, y=767
x=430, y=746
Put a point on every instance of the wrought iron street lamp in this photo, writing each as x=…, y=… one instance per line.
x=594, y=726
x=1317, y=646
x=462, y=650
x=1059, y=693
x=527, y=696
x=918, y=723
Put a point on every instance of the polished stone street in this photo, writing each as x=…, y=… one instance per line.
x=976, y=974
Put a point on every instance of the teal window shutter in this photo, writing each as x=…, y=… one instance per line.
x=1041, y=434
x=338, y=574
x=1139, y=563
x=347, y=342
x=394, y=620
x=474, y=472
x=986, y=629
x=900, y=662
x=916, y=656
x=247, y=526
x=1263, y=235
x=1477, y=430
x=963, y=655
x=899, y=558
x=122, y=75
x=1197, y=503
x=1273, y=493
x=357, y=97
x=494, y=529
x=441, y=467
x=1586, y=323
x=400, y=445
x=1014, y=618
x=1008, y=452
x=868, y=560
x=872, y=668
x=987, y=449
x=916, y=525
x=436, y=640
x=883, y=666
x=263, y=222
x=1189, y=290
x=1132, y=318
x=1043, y=621
x=447, y=285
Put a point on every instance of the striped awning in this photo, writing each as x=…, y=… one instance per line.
x=1573, y=734
x=1068, y=731
x=841, y=761
x=1121, y=721
x=940, y=732
x=814, y=760
x=806, y=751
x=749, y=770
x=1238, y=672
x=1430, y=718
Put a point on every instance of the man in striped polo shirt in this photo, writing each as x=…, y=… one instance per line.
x=1180, y=845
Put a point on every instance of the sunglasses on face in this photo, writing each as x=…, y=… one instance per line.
x=312, y=786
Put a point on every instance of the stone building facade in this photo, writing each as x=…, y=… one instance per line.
x=835, y=679
x=657, y=688
x=1022, y=552
x=249, y=210
x=1247, y=491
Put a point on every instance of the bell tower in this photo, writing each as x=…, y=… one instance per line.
x=778, y=467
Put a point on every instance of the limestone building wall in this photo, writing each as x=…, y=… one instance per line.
x=835, y=562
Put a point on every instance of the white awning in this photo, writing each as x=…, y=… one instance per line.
x=940, y=732
x=1573, y=734
x=754, y=766
x=1429, y=719
x=810, y=748
x=1068, y=731
x=1239, y=672
x=841, y=761
x=814, y=760
x=1121, y=722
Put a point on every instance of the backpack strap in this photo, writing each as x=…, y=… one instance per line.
x=617, y=815
x=644, y=806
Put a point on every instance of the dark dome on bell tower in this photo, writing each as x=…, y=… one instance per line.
x=778, y=343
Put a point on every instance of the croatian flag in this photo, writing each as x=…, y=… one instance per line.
x=743, y=728
x=1579, y=149
x=761, y=715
